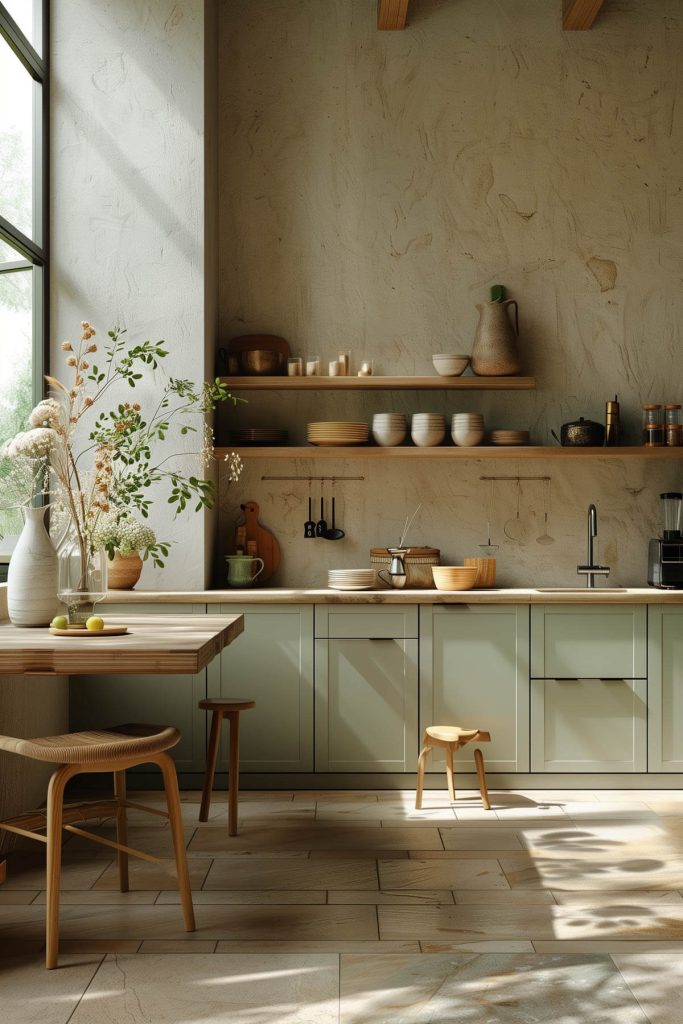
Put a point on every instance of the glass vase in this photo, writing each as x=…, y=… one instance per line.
x=82, y=577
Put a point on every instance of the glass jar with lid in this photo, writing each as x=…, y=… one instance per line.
x=653, y=426
x=672, y=414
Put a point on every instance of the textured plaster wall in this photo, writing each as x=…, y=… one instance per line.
x=372, y=186
x=128, y=208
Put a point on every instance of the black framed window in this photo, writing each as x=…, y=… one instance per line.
x=23, y=215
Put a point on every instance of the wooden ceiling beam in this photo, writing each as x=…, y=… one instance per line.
x=391, y=14
x=579, y=15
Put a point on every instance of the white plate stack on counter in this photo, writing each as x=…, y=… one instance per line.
x=351, y=579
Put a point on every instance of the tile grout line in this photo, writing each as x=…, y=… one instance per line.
x=635, y=997
x=83, y=993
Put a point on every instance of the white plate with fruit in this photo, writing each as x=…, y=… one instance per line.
x=94, y=627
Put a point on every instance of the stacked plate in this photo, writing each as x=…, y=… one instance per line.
x=509, y=437
x=427, y=429
x=259, y=435
x=454, y=577
x=351, y=579
x=467, y=429
x=389, y=428
x=338, y=433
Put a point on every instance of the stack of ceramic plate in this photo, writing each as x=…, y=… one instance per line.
x=454, y=577
x=509, y=437
x=334, y=432
x=351, y=579
x=259, y=435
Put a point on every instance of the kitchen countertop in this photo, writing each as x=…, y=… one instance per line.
x=284, y=595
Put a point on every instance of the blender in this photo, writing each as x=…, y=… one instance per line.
x=665, y=555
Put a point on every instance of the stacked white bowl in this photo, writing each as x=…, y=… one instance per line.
x=428, y=429
x=467, y=429
x=389, y=429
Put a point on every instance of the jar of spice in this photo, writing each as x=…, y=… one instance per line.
x=653, y=426
x=673, y=435
x=672, y=414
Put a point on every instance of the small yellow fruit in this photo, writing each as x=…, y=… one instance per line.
x=95, y=623
x=60, y=622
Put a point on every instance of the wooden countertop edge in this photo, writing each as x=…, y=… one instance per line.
x=284, y=595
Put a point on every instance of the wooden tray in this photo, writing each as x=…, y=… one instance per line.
x=82, y=631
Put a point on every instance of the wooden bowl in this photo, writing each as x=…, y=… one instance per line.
x=454, y=577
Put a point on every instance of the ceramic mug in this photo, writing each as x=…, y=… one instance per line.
x=241, y=570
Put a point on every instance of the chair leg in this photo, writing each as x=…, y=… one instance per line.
x=449, y=772
x=55, y=803
x=121, y=827
x=481, y=775
x=421, y=762
x=211, y=759
x=234, y=776
x=174, y=815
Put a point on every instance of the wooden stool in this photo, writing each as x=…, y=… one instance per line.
x=452, y=738
x=106, y=750
x=224, y=707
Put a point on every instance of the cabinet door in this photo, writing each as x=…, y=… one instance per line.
x=573, y=641
x=665, y=688
x=474, y=672
x=588, y=725
x=271, y=663
x=347, y=622
x=365, y=705
x=97, y=701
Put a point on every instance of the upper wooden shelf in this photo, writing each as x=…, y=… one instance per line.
x=451, y=452
x=432, y=383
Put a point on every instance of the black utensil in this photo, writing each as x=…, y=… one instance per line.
x=309, y=525
x=333, y=533
x=321, y=525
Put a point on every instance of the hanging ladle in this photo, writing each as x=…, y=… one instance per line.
x=334, y=533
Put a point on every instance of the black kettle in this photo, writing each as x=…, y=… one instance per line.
x=581, y=433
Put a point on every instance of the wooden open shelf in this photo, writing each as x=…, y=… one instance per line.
x=451, y=452
x=435, y=383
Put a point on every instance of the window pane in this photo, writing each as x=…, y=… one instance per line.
x=16, y=141
x=26, y=13
x=16, y=392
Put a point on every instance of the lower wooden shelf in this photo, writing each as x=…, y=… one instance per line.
x=450, y=452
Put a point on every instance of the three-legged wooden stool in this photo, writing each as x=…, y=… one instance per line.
x=105, y=750
x=452, y=738
x=224, y=707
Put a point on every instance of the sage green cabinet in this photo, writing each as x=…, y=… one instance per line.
x=589, y=725
x=363, y=622
x=581, y=642
x=97, y=701
x=271, y=663
x=665, y=688
x=366, y=704
x=474, y=672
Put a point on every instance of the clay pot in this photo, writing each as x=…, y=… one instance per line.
x=124, y=571
x=494, y=353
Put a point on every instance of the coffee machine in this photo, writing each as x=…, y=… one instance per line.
x=665, y=556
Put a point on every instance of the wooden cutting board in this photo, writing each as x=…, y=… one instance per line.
x=267, y=546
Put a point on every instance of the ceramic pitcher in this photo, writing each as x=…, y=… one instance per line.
x=494, y=353
x=242, y=570
x=32, y=576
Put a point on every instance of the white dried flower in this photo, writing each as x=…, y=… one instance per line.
x=123, y=532
x=235, y=466
x=31, y=443
x=47, y=413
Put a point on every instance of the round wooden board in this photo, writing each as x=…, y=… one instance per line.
x=82, y=631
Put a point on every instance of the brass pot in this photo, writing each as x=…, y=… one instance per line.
x=262, y=363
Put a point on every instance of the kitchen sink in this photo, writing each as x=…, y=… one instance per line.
x=581, y=590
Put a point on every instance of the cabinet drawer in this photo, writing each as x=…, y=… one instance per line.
x=599, y=642
x=588, y=725
x=366, y=623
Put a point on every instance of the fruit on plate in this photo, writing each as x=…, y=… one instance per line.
x=59, y=622
x=95, y=623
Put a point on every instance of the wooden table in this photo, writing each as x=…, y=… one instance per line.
x=168, y=644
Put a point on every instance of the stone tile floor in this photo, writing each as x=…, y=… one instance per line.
x=352, y=908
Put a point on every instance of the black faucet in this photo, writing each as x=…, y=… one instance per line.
x=590, y=571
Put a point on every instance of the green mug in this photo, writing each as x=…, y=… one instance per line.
x=241, y=570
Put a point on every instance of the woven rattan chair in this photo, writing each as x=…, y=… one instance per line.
x=107, y=750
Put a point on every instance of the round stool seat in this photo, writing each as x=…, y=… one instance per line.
x=226, y=704
x=96, y=745
x=450, y=733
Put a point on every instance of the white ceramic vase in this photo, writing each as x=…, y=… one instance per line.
x=32, y=575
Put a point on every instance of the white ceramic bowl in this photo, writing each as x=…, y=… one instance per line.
x=429, y=438
x=428, y=417
x=450, y=365
x=467, y=436
x=389, y=437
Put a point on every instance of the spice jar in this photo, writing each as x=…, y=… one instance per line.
x=653, y=426
x=672, y=415
x=674, y=432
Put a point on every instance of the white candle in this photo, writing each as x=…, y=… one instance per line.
x=312, y=367
x=334, y=368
